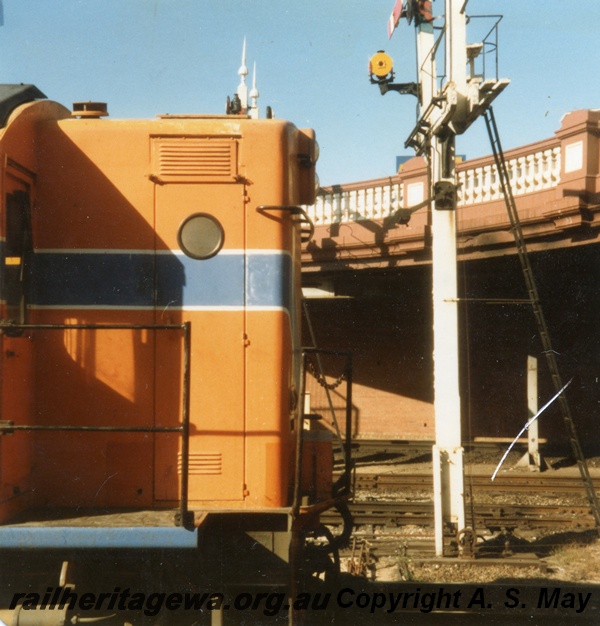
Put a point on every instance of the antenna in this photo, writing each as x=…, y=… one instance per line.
x=242, y=91
x=253, y=109
x=240, y=104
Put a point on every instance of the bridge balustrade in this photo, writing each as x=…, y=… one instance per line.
x=354, y=203
x=376, y=199
x=556, y=184
x=528, y=173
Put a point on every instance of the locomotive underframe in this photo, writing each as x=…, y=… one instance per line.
x=232, y=554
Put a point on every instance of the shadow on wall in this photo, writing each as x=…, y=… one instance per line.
x=95, y=263
x=385, y=321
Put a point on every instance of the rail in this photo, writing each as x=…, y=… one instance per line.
x=548, y=485
x=7, y=427
x=487, y=516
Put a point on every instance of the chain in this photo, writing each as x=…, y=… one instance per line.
x=321, y=379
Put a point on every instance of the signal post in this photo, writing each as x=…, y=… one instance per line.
x=447, y=453
x=446, y=108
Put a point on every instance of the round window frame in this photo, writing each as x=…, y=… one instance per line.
x=186, y=250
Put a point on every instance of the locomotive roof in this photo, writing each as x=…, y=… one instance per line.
x=12, y=96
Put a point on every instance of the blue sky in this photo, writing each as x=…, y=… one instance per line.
x=146, y=57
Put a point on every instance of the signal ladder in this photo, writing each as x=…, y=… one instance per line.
x=530, y=284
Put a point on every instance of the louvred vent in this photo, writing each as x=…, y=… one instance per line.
x=190, y=159
x=203, y=463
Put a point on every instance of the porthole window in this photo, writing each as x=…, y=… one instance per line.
x=201, y=236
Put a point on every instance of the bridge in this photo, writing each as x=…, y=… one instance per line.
x=556, y=183
x=370, y=287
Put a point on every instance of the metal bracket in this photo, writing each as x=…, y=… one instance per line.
x=307, y=227
x=410, y=89
x=444, y=197
x=6, y=427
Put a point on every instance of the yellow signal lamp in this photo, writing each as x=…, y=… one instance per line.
x=381, y=65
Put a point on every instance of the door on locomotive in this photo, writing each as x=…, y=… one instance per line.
x=16, y=353
x=212, y=297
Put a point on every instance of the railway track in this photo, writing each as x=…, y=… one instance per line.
x=540, y=483
x=487, y=516
x=398, y=446
x=388, y=505
x=414, y=510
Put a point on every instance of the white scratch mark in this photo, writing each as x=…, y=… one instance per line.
x=104, y=483
x=527, y=426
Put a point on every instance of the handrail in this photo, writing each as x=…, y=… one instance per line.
x=7, y=426
x=342, y=487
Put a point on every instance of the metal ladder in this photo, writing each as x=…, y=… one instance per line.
x=540, y=319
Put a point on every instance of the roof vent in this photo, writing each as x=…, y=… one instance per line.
x=89, y=109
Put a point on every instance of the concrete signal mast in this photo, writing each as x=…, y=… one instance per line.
x=451, y=97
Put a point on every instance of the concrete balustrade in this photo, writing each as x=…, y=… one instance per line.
x=555, y=183
x=377, y=199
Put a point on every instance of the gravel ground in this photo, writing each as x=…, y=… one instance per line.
x=577, y=561
x=568, y=556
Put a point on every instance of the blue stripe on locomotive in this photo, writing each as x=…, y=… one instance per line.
x=74, y=537
x=140, y=279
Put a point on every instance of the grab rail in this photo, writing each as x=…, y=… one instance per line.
x=8, y=427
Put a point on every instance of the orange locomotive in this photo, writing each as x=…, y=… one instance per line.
x=150, y=302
